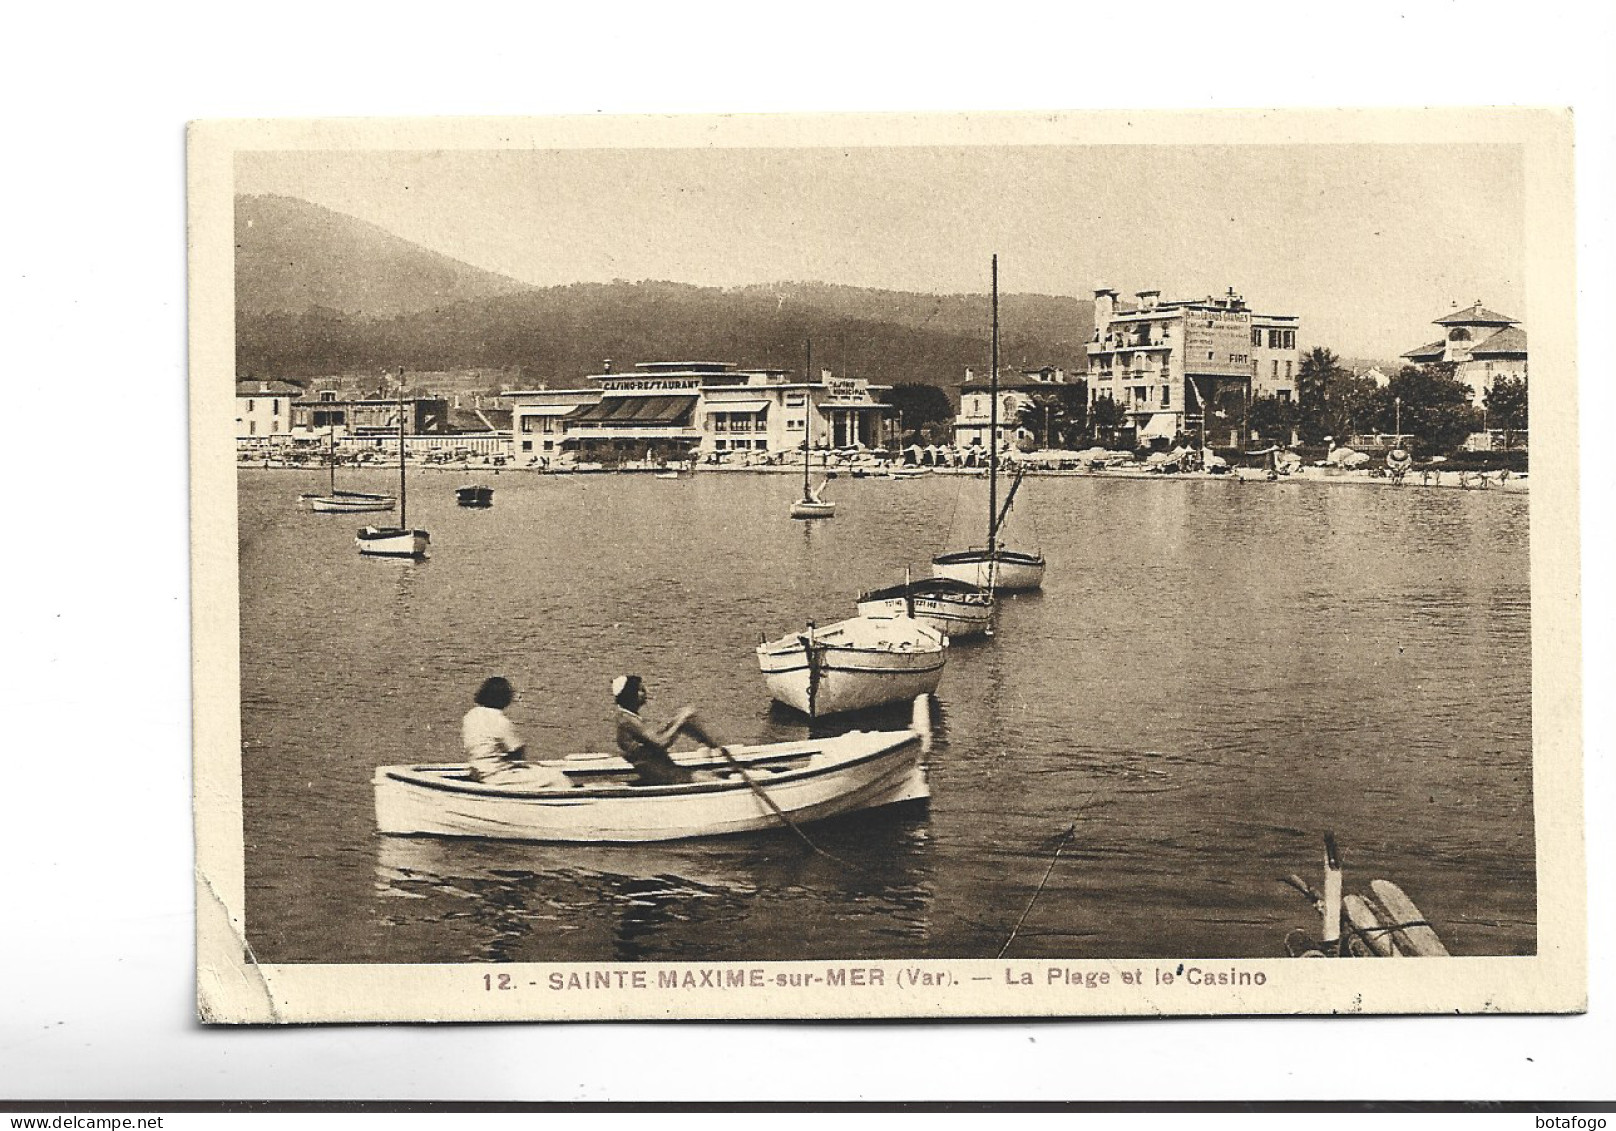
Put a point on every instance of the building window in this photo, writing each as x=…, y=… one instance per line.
x=1458, y=334
x=527, y=424
x=1290, y=339
x=1276, y=369
x=1273, y=339
x=527, y=445
x=1287, y=371
x=1167, y=396
x=275, y=425
x=249, y=405
x=252, y=427
x=1256, y=336
x=1282, y=394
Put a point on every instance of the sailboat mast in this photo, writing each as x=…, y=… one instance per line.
x=807, y=420
x=331, y=453
x=403, y=505
x=993, y=420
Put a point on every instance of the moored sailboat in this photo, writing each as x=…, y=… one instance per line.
x=401, y=541
x=813, y=504
x=957, y=609
x=343, y=502
x=994, y=566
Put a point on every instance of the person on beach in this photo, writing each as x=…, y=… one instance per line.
x=494, y=751
x=646, y=745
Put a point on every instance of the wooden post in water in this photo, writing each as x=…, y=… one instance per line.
x=1331, y=936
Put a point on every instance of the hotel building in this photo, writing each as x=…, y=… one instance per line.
x=1176, y=367
x=679, y=410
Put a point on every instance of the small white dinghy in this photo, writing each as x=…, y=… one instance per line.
x=854, y=664
x=807, y=780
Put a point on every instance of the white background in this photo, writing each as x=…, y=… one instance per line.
x=96, y=959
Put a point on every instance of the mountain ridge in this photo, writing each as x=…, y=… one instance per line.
x=294, y=320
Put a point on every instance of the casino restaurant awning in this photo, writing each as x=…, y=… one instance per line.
x=630, y=416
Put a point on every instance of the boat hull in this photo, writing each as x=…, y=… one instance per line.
x=808, y=781
x=855, y=665
x=955, y=617
x=803, y=508
x=350, y=503
x=392, y=543
x=1006, y=570
x=474, y=496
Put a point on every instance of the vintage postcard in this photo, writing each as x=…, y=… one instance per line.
x=900, y=566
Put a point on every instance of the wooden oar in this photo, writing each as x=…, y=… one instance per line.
x=921, y=724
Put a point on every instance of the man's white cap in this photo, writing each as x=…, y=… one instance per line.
x=618, y=684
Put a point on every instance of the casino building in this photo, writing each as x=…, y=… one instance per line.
x=679, y=410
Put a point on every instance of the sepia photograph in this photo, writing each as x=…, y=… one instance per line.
x=889, y=566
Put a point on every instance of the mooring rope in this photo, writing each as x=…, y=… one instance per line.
x=778, y=812
x=1070, y=829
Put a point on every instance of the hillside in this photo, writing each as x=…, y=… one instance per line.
x=559, y=334
x=292, y=255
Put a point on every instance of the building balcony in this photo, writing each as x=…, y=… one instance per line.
x=1112, y=345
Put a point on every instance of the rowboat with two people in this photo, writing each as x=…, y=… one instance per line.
x=738, y=789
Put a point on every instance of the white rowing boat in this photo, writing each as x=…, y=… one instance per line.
x=806, y=780
x=854, y=664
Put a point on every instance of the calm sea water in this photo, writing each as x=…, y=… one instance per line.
x=1212, y=677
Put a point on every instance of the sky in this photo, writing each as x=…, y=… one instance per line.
x=1367, y=244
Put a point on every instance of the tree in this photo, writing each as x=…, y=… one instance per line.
x=1272, y=419
x=1057, y=416
x=919, y=405
x=1435, y=407
x=1506, y=403
x=1105, y=418
x=1333, y=401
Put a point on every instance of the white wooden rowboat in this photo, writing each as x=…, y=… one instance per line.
x=854, y=664
x=808, y=780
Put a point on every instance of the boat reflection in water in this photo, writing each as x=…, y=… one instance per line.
x=709, y=900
